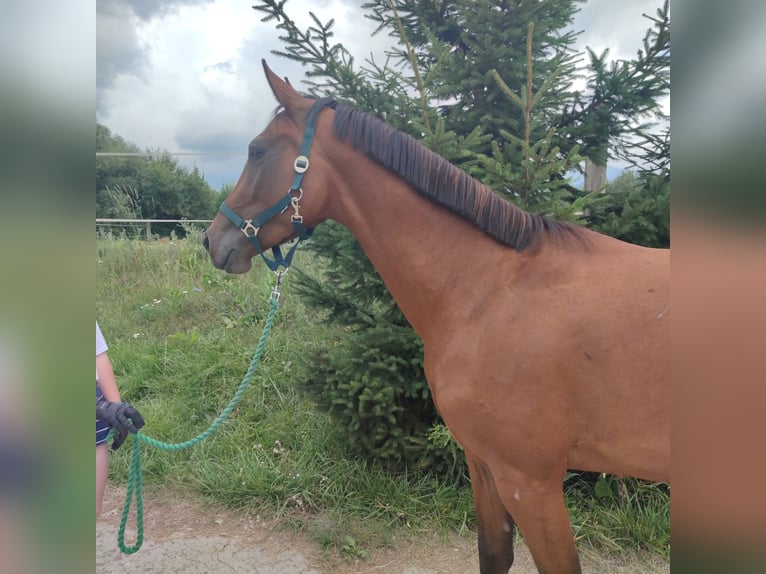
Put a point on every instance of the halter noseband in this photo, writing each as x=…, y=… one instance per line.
x=250, y=227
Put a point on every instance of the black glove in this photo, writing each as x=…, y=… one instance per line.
x=122, y=417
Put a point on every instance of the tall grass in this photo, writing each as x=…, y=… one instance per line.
x=181, y=335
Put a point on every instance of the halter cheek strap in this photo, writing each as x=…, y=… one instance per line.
x=251, y=227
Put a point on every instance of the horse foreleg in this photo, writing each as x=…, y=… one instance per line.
x=540, y=512
x=494, y=523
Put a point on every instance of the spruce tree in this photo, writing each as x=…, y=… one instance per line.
x=621, y=96
x=537, y=180
x=634, y=207
x=462, y=45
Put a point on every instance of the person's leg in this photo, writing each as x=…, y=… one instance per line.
x=102, y=472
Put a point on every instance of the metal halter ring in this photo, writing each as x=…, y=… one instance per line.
x=250, y=230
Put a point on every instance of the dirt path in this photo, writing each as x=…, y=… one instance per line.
x=188, y=536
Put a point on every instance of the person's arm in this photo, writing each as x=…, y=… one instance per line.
x=106, y=378
x=122, y=417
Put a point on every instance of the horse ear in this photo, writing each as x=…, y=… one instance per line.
x=283, y=91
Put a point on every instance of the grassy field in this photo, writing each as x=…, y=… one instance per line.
x=181, y=335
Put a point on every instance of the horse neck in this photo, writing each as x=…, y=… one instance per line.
x=428, y=257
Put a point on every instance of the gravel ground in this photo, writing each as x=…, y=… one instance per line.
x=188, y=535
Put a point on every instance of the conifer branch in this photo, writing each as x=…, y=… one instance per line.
x=415, y=67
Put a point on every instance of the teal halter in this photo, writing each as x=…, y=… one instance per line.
x=250, y=227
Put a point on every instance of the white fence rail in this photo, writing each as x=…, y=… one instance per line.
x=146, y=223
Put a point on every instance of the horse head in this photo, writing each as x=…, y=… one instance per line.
x=277, y=197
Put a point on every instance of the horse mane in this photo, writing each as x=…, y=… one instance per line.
x=434, y=177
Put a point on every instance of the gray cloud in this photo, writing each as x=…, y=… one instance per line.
x=224, y=67
x=227, y=118
x=217, y=127
x=118, y=48
x=148, y=9
x=145, y=9
x=618, y=26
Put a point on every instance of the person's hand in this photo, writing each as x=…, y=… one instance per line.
x=122, y=417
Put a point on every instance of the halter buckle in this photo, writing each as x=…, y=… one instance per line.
x=301, y=164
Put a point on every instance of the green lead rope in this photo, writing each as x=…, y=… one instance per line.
x=135, y=479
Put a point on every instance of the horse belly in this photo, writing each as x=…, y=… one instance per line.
x=570, y=394
x=621, y=399
x=623, y=425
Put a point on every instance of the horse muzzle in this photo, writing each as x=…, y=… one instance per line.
x=228, y=258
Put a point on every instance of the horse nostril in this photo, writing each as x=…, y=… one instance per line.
x=206, y=243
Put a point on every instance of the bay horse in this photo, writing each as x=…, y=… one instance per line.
x=546, y=344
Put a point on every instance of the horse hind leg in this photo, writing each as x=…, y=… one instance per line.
x=495, y=525
x=541, y=515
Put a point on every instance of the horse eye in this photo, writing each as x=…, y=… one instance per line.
x=256, y=153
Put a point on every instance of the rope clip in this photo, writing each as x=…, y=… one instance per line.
x=275, y=292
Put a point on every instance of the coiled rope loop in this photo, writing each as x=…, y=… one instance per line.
x=135, y=479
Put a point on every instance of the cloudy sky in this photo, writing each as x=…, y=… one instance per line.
x=185, y=75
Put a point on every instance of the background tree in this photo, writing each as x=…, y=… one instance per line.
x=633, y=208
x=488, y=85
x=116, y=179
x=224, y=192
x=154, y=186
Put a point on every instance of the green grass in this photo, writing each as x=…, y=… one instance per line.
x=181, y=335
x=621, y=515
